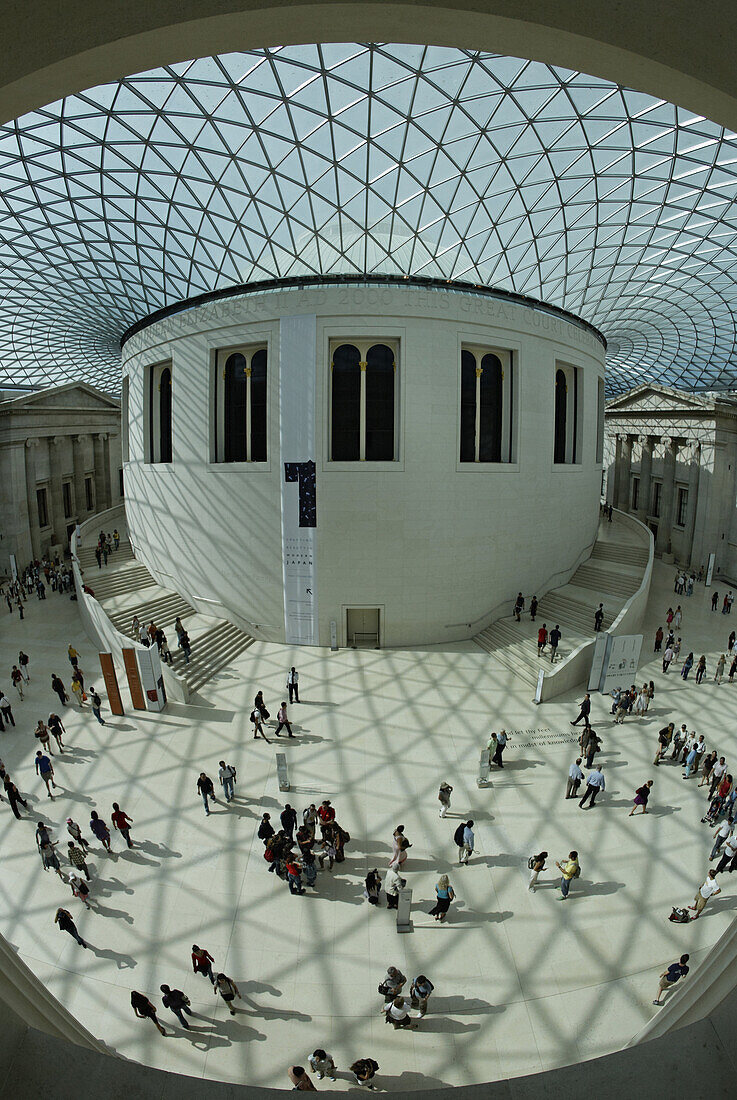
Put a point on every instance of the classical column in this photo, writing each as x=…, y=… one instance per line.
x=22, y=544
x=667, y=494
x=31, y=449
x=56, y=493
x=623, y=480
x=99, y=471
x=617, y=471
x=106, y=469
x=646, y=468
x=80, y=497
x=693, y=499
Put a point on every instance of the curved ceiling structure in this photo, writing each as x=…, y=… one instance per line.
x=368, y=159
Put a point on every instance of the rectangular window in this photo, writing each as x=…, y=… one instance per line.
x=43, y=512
x=657, y=490
x=88, y=494
x=66, y=492
x=363, y=400
x=600, y=422
x=635, y=493
x=158, y=412
x=487, y=395
x=241, y=405
x=568, y=414
x=682, y=507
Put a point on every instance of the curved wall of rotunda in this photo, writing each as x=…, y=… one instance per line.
x=390, y=458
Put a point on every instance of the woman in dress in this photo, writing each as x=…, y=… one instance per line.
x=641, y=796
x=642, y=702
x=537, y=865
x=445, y=894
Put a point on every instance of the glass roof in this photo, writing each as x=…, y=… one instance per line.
x=399, y=160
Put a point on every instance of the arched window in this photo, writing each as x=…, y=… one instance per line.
x=561, y=416
x=241, y=405
x=486, y=405
x=379, y=404
x=363, y=401
x=165, y=415
x=235, y=396
x=346, y=404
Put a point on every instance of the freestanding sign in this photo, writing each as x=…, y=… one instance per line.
x=134, y=680
x=404, y=910
x=149, y=668
x=619, y=665
x=111, y=684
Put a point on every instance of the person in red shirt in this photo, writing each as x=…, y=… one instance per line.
x=202, y=962
x=326, y=813
x=542, y=638
x=122, y=823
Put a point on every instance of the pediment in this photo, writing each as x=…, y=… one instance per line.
x=74, y=395
x=659, y=399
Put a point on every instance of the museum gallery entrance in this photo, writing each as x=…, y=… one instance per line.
x=363, y=626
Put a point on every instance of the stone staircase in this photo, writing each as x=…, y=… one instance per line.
x=611, y=574
x=125, y=588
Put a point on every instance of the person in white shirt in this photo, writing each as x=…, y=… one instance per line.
x=293, y=685
x=397, y=1014
x=575, y=777
x=708, y=889
x=717, y=772
x=227, y=779
x=719, y=838
x=700, y=747
x=729, y=855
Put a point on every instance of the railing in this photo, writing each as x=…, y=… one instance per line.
x=364, y=634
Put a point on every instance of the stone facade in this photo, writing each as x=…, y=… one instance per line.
x=60, y=462
x=670, y=459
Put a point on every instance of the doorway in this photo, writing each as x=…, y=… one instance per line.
x=363, y=627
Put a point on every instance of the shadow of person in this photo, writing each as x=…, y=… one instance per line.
x=123, y=962
x=132, y=855
x=249, y=988
x=106, y=911
x=458, y=1005
x=408, y=1081
x=157, y=849
x=110, y=885
x=475, y=917
x=446, y=1024
x=589, y=888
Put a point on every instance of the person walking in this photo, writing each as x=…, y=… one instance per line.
x=444, y=794
x=598, y=617
x=594, y=784
x=542, y=639
x=444, y=895
x=202, y=962
x=57, y=728
x=536, y=864
x=145, y=1010
x=288, y=818
x=73, y=656
x=45, y=769
x=309, y=818
x=728, y=860
x=6, y=708
x=206, y=790
x=658, y=640
x=96, y=706
x=372, y=886
x=80, y=890
x=570, y=870
x=670, y=976
x=122, y=823
x=265, y=828
x=363, y=1070
x=293, y=685
x=178, y=1002
x=721, y=834
x=322, y=1064
x=667, y=657
x=719, y=670
x=641, y=796
x=677, y=618
x=16, y=678
x=687, y=666
x=294, y=874
x=690, y=762
x=575, y=776
x=300, y=1080
x=283, y=721
x=519, y=606
x=14, y=796
x=41, y=734
x=99, y=829
x=66, y=924
x=23, y=663
x=533, y=608
x=78, y=692
x=709, y=888
x=464, y=839
x=228, y=990
x=227, y=777
x=664, y=739
x=554, y=639
x=584, y=712
x=255, y=717
x=78, y=859
x=58, y=687
x=76, y=834
x=718, y=770
x=701, y=669
x=419, y=993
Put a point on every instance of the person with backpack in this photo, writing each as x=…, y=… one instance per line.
x=536, y=864
x=419, y=993
x=570, y=870
x=145, y=1010
x=178, y=1002
x=227, y=775
x=444, y=794
x=464, y=840
x=258, y=728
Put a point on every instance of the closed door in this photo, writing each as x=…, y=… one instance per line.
x=362, y=626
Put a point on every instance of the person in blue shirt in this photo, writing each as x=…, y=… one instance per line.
x=594, y=784
x=669, y=977
x=45, y=769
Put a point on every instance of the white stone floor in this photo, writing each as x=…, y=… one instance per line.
x=522, y=982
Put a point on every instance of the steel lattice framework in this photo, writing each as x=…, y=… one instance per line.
x=361, y=159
